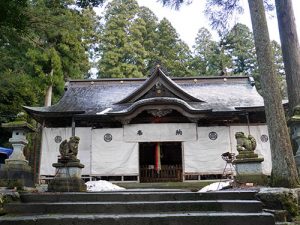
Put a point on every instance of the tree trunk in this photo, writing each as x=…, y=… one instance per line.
x=284, y=172
x=290, y=50
x=48, y=97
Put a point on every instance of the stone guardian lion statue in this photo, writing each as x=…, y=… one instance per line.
x=69, y=149
x=245, y=143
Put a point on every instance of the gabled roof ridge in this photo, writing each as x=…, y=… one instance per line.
x=172, y=78
x=150, y=82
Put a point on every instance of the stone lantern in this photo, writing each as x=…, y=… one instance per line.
x=16, y=171
x=294, y=124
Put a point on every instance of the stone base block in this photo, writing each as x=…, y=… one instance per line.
x=69, y=169
x=248, y=166
x=64, y=184
x=67, y=172
x=249, y=170
x=16, y=175
x=256, y=179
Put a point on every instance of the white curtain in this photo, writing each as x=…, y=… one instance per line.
x=114, y=157
x=50, y=148
x=204, y=155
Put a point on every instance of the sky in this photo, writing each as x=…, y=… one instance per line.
x=190, y=18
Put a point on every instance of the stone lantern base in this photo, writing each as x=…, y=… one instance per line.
x=249, y=170
x=16, y=173
x=68, y=177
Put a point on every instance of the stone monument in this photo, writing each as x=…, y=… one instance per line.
x=68, y=169
x=16, y=171
x=247, y=163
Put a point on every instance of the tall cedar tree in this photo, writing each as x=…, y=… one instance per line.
x=172, y=52
x=210, y=57
x=133, y=41
x=150, y=37
x=203, y=52
x=290, y=50
x=240, y=46
x=284, y=171
x=121, y=49
x=60, y=53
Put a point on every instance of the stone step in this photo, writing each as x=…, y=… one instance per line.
x=250, y=206
x=279, y=215
x=194, y=218
x=136, y=196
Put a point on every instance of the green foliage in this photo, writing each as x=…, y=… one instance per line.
x=203, y=49
x=240, y=46
x=88, y=3
x=279, y=68
x=12, y=14
x=58, y=43
x=16, y=90
x=234, y=54
x=7, y=197
x=149, y=38
x=121, y=50
x=173, y=53
x=52, y=48
x=42, y=43
x=210, y=57
x=133, y=41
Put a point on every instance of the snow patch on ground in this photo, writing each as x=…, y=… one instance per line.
x=102, y=185
x=216, y=186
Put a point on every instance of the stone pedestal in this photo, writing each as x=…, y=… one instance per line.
x=68, y=177
x=249, y=169
x=16, y=172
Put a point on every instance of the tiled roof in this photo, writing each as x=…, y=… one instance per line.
x=111, y=96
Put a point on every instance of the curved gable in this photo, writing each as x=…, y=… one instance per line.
x=159, y=85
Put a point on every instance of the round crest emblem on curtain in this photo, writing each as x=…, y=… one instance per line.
x=58, y=139
x=107, y=137
x=213, y=135
x=264, y=138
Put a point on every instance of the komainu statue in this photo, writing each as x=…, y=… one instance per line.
x=69, y=149
x=245, y=143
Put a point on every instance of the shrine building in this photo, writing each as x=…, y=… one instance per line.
x=154, y=129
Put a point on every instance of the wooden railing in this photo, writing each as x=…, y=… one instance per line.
x=167, y=173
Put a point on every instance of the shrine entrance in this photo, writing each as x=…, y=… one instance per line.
x=160, y=161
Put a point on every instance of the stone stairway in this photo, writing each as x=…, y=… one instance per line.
x=137, y=208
